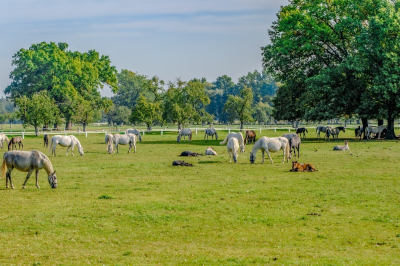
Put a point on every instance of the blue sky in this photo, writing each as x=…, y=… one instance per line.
x=169, y=39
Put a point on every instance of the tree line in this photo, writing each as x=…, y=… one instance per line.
x=336, y=58
x=52, y=85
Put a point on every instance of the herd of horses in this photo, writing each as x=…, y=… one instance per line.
x=29, y=161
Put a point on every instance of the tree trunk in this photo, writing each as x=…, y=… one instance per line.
x=380, y=122
x=179, y=126
x=68, y=123
x=390, y=129
x=36, y=131
x=84, y=127
x=56, y=126
x=241, y=124
x=148, y=128
x=365, y=124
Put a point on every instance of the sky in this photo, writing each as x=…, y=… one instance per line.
x=166, y=38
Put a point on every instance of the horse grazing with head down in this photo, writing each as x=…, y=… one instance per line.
x=270, y=145
x=2, y=139
x=375, y=130
x=184, y=132
x=13, y=143
x=65, y=141
x=358, y=131
x=210, y=132
x=294, y=143
x=233, y=147
x=27, y=161
x=250, y=136
x=124, y=140
x=134, y=131
x=239, y=137
x=45, y=140
x=302, y=130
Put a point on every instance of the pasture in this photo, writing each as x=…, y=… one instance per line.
x=137, y=209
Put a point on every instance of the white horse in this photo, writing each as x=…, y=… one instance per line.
x=124, y=140
x=3, y=138
x=344, y=147
x=233, y=148
x=375, y=130
x=320, y=129
x=65, y=141
x=239, y=137
x=184, y=132
x=210, y=151
x=27, y=161
x=134, y=131
x=270, y=145
x=210, y=132
x=109, y=140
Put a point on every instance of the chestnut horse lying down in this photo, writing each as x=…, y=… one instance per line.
x=302, y=167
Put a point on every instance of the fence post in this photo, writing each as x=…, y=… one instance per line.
x=260, y=129
x=143, y=132
x=162, y=132
x=229, y=130
x=275, y=129
x=86, y=133
x=289, y=129
x=196, y=130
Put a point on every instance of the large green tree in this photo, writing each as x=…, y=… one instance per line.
x=184, y=102
x=36, y=111
x=240, y=107
x=146, y=111
x=130, y=86
x=68, y=76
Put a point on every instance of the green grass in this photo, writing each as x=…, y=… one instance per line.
x=138, y=209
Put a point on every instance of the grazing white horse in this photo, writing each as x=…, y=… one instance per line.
x=320, y=129
x=233, y=148
x=109, y=140
x=239, y=137
x=184, y=132
x=3, y=138
x=344, y=147
x=375, y=130
x=134, y=131
x=124, y=140
x=270, y=145
x=210, y=132
x=27, y=161
x=65, y=141
x=210, y=151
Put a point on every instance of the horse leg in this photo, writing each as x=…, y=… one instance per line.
x=72, y=149
x=27, y=177
x=116, y=146
x=130, y=146
x=37, y=178
x=269, y=155
x=262, y=157
x=22, y=145
x=66, y=154
x=134, y=148
x=8, y=177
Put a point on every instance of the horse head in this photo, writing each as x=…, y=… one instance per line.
x=252, y=157
x=242, y=148
x=53, y=180
x=178, y=139
x=80, y=149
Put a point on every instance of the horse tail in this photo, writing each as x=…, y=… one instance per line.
x=4, y=167
x=190, y=135
x=306, y=130
x=7, y=139
x=51, y=143
x=287, y=151
x=224, y=141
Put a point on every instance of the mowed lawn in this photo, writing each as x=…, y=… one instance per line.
x=138, y=209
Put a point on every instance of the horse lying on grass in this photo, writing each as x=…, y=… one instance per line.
x=210, y=151
x=302, y=167
x=181, y=163
x=189, y=153
x=344, y=147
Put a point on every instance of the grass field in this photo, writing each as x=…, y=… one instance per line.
x=137, y=209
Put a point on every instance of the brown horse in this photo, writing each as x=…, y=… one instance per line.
x=46, y=140
x=250, y=136
x=302, y=167
x=13, y=143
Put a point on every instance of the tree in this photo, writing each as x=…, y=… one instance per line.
x=118, y=115
x=218, y=94
x=66, y=75
x=11, y=116
x=379, y=56
x=130, y=86
x=262, y=85
x=239, y=107
x=34, y=112
x=184, y=102
x=146, y=112
x=262, y=112
x=313, y=46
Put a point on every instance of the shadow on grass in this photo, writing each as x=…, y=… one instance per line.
x=209, y=162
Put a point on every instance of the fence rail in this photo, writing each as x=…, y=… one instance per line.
x=161, y=130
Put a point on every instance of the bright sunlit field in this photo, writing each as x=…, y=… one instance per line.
x=138, y=209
